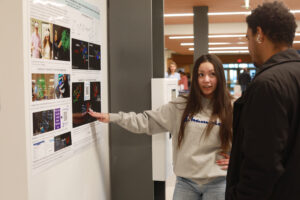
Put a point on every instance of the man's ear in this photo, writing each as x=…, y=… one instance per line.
x=260, y=37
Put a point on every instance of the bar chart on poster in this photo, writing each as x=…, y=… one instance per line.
x=66, y=74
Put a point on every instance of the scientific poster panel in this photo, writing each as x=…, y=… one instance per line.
x=65, y=78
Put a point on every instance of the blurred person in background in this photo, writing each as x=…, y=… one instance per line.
x=172, y=66
x=244, y=79
x=183, y=82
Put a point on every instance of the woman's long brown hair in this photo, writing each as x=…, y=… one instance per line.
x=222, y=107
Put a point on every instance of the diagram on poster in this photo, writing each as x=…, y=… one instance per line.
x=65, y=70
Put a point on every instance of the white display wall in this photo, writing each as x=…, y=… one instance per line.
x=59, y=73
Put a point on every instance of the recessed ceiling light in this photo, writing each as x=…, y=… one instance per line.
x=209, y=14
x=219, y=43
x=226, y=48
x=179, y=15
x=224, y=52
x=211, y=43
x=187, y=44
x=209, y=36
x=247, y=4
x=228, y=13
x=215, y=36
x=225, y=36
x=295, y=11
x=181, y=37
x=217, y=13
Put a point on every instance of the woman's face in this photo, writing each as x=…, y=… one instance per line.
x=207, y=79
x=172, y=68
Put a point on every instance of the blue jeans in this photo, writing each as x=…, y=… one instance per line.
x=186, y=189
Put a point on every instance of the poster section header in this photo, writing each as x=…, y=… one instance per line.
x=80, y=5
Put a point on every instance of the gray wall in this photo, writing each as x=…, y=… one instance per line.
x=158, y=38
x=130, y=71
x=200, y=31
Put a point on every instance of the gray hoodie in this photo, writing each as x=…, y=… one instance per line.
x=197, y=155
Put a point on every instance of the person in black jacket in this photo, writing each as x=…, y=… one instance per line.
x=244, y=79
x=265, y=156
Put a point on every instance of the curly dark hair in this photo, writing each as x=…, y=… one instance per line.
x=276, y=22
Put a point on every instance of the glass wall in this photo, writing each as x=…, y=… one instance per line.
x=233, y=70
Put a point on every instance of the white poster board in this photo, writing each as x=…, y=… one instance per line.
x=65, y=76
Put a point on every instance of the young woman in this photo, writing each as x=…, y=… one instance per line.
x=36, y=42
x=47, y=48
x=56, y=47
x=201, y=128
x=172, y=71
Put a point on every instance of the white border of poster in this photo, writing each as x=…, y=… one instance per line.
x=64, y=40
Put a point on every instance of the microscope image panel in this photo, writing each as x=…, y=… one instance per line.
x=94, y=57
x=43, y=122
x=62, y=141
x=80, y=58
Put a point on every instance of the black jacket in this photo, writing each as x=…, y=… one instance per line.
x=265, y=155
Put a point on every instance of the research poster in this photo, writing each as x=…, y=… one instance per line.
x=65, y=78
